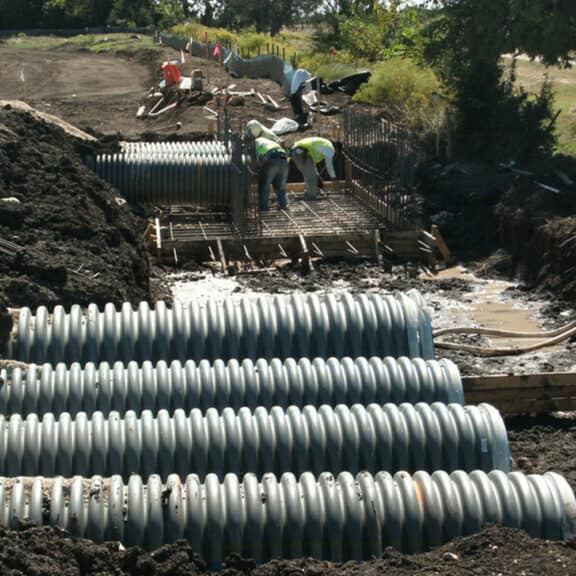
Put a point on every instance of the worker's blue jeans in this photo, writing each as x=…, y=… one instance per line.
x=274, y=171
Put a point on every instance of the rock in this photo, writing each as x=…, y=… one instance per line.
x=236, y=100
x=449, y=557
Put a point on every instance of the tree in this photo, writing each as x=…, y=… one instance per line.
x=267, y=16
x=466, y=42
x=19, y=14
x=138, y=12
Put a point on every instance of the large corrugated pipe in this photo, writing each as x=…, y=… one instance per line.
x=337, y=519
x=171, y=177
x=406, y=437
x=203, y=147
x=281, y=327
x=42, y=388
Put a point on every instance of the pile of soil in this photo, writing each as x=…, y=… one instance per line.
x=460, y=199
x=544, y=443
x=504, y=551
x=538, y=230
x=75, y=241
x=522, y=225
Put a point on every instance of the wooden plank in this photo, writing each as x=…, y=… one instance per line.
x=519, y=381
x=377, y=247
x=221, y=255
x=158, y=235
x=536, y=406
x=441, y=245
x=330, y=185
x=330, y=246
x=307, y=265
x=519, y=394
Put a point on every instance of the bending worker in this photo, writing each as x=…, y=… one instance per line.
x=306, y=154
x=273, y=162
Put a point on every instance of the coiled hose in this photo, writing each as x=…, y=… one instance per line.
x=280, y=327
x=41, y=389
x=373, y=438
x=337, y=519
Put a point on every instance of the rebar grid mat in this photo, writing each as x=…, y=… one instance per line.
x=334, y=214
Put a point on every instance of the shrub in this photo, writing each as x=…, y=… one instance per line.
x=196, y=30
x=330, y=67
x=402, y=87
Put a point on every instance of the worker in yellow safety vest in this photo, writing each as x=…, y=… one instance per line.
x=273, y=163
x=306, y=154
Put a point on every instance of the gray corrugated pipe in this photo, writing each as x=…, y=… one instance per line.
x=171, y=177
x=281, y=327
x=337, y=519
x=406, y=437
x=203, y=147
x=41, y=388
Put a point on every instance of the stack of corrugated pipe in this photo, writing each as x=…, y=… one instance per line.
x=171, y=172
x=274, y=427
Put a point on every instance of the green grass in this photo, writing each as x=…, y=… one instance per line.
x=93, y=42
x=530, y=75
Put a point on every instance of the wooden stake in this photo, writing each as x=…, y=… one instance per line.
x=221, y=254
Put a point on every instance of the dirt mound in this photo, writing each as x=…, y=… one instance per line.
x=460, y=198
x=522, y=225
x=38, y=551
x=543, y=443
x=538, y=229
x=64, y=237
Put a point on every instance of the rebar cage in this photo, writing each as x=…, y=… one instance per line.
x=380, y=166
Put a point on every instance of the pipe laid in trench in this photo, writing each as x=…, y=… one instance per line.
x=280, y=327
x=337, y=519
x=41, y=389
x=373, y=438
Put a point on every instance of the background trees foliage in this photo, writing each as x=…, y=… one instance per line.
x=462, y=41
x=465, y=42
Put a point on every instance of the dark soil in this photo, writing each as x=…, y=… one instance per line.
x=508, y=224
x=538, y=229
x=354, y=276
x=50, y=552
x=78, y=244
x=544, y=443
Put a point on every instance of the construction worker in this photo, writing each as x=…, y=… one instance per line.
x=306, y=154
x=257, y=130
x=300, y=87
x=273, y=162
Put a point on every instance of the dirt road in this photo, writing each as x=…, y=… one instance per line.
x=102, y=92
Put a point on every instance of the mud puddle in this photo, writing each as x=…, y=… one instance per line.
x=497, y=304
x=455, y=296
x=490, y=305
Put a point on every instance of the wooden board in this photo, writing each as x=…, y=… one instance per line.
x=523, y=394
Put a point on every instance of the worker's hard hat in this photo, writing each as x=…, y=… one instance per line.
x=254, y=128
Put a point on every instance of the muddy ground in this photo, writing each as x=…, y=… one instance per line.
x=101, y=93
x=81, y=246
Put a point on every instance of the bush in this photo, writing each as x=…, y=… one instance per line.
x=196, y=30
x=402, y=87
x=330, y=67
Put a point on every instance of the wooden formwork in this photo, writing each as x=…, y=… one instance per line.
x=523, y=394
x=337, y=224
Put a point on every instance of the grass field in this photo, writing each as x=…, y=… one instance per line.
x=91, y=42
x=531, y=75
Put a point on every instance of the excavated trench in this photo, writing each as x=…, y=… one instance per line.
x=108, y=420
